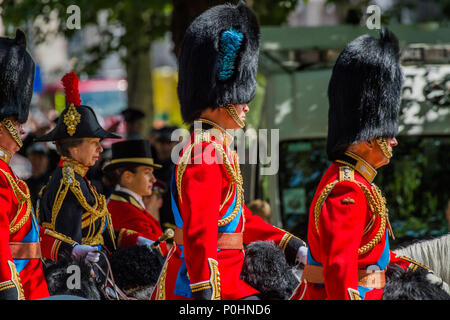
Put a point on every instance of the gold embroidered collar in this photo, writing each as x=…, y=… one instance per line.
x=75, y=165
x=218, y=132
x=359, y=164
x=5, y=155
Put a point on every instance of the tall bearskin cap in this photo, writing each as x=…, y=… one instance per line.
x=76, y=120
x=364, y=92
x=218, y=60
x=16, y=77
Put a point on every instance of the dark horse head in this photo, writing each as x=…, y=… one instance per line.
x=135, y=270
x=265, y=268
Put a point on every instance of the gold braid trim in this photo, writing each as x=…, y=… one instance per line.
x=60, y=236
x=231, y=109
x=15, y=281
x=319, y=203
x=69, y=182
x=234, y=173
x=213, y=283
x=376, y=203
x=59, y=199
x=161, y=284
x=75, y=166
x=182, y=168
x=12, y=131
x=284, y=241
x=23, y=198
x=378, y=207
x=384, y=148
x=215, y=278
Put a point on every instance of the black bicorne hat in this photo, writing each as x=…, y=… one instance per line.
x=16, y=77
x=364, y=92
x=218, y=60
x=131, y=152
x=76, y=120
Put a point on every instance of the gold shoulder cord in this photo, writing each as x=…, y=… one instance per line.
x=233, y=172
x=23, y=198
x=69, y=182
x=376, y=202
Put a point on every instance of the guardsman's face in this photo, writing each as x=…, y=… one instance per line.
x=88, y=152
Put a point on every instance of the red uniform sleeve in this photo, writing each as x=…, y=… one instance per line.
x=341, y=226
x=200, y=202
x=10, y=286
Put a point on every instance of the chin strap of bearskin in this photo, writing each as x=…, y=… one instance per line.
x=384, y=148
x=231, y=109
x=12, y=131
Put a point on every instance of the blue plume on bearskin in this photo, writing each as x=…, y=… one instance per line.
x=218, y=60
x=230, y=42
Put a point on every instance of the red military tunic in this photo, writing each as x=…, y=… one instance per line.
x=207, y=203
x=21, y=273
x=126, y=212
x=347, y=232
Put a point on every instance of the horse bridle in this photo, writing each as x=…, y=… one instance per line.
x=109, y=282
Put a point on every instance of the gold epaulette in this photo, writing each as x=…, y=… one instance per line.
x=375, y=200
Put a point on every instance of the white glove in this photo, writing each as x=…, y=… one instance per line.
x=302, y=255
x=90, y=253
x=141, y=241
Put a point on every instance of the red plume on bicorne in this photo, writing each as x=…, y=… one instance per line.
x=70, y=83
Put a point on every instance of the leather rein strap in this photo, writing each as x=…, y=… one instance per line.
x=109, y=281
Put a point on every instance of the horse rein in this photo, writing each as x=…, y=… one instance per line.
x=109, y=279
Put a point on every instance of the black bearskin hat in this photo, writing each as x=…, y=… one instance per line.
x=16, y=77
x=364, y=92
x=218, y=60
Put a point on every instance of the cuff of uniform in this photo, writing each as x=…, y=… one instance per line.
x=410, y=264
x=202, y=294
x=54, y=244
x=210, y=289
x=290, y=245
x=9, y=291
x=127, y=238
x=12, y=289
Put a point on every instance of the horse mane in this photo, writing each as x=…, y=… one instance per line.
x=265, y=268
x=434, y=253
